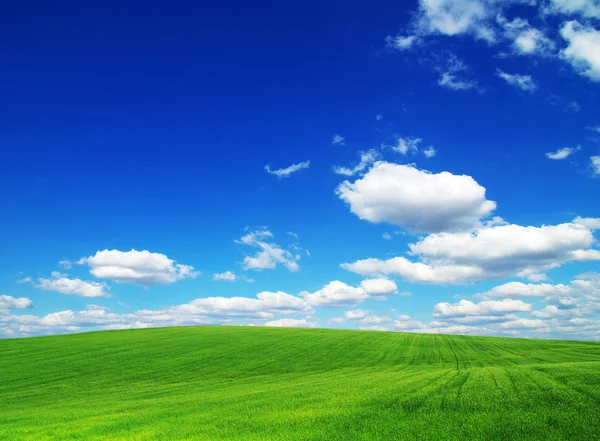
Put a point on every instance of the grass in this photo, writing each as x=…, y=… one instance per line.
x=230, y=383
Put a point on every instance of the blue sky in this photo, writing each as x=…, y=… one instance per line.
x=426, y=166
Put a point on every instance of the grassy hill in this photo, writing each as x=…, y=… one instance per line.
x=233, y=383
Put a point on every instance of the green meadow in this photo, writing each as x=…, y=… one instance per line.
x=245, y=383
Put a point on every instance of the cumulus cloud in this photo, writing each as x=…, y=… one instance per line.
x=582, y=50
x=519, y=289
x=595, y=161
x=526, y=40
x=66, y=264
x=137, y=267
x=356, y=314
x=264, y=306
x=588, y=287
x=416, y=200
x=455, y=17
x=402, y=42
x=270, y=254
x=62, y=284
x=338, y=294
x=586, y=8
x=429, y=152
x=452, y=77
x=8, y=302
x=493, y=251
x=562, y=153
x=591, y=223
x=523, y=82
x=405, y=145
x=288, y=171
x=484, y=308
x=291, y=323
x=227, y=275
x=338, y=139
x=366, y=159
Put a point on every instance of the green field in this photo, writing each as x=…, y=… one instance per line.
x=244, y=383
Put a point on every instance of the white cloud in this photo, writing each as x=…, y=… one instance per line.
x=416, y=200
x=291, y=323
x=338, y=139
x=562, y=153
x=523, y=82
x=378, y=117
x=287, y=172
x=405, y=145
x=455, y=17
x=374, y=320
x=451, y=76
x=66, y=264
x=415, y=272
x=519, y=289
x=270, y=254
x=8, y=302
x=493, y=251
x=366, y=159
x=586, y=8
x=60, y=283
x=336, y=320
x=356, y=314
x=591, y=223
x=521, y=323
x=387, y=236
x=264, y=306
x=484, y=308
x=227, y=275
x=402, y=43
x=595, y=161
x=582, y=50
x=337, y=294
x=429, y=152
x=379, y=287
x=137, y=267
x=451, y=81
x=526, y=40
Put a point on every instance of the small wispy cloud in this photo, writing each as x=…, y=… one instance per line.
x=401, y=42
x=227, y=275
x=366, y=159
x=338, y=139
x=595, y=160
x=286, y=172
x=562, y=153
x=452, y=76
x=523, y=82
x=429, y=152
x=378, y=117
x=405, y=145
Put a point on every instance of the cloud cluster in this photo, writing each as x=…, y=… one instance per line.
x=523, y=82
x=492, y=251
x=62, y=284
x=270, y=254
x=337, y=294
x=227, y=275
x=366, y=160
x=416, y=200
x=582, y=50
x=7, y=303
x=562, y=153
x=137, y=267
x=287, y=171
